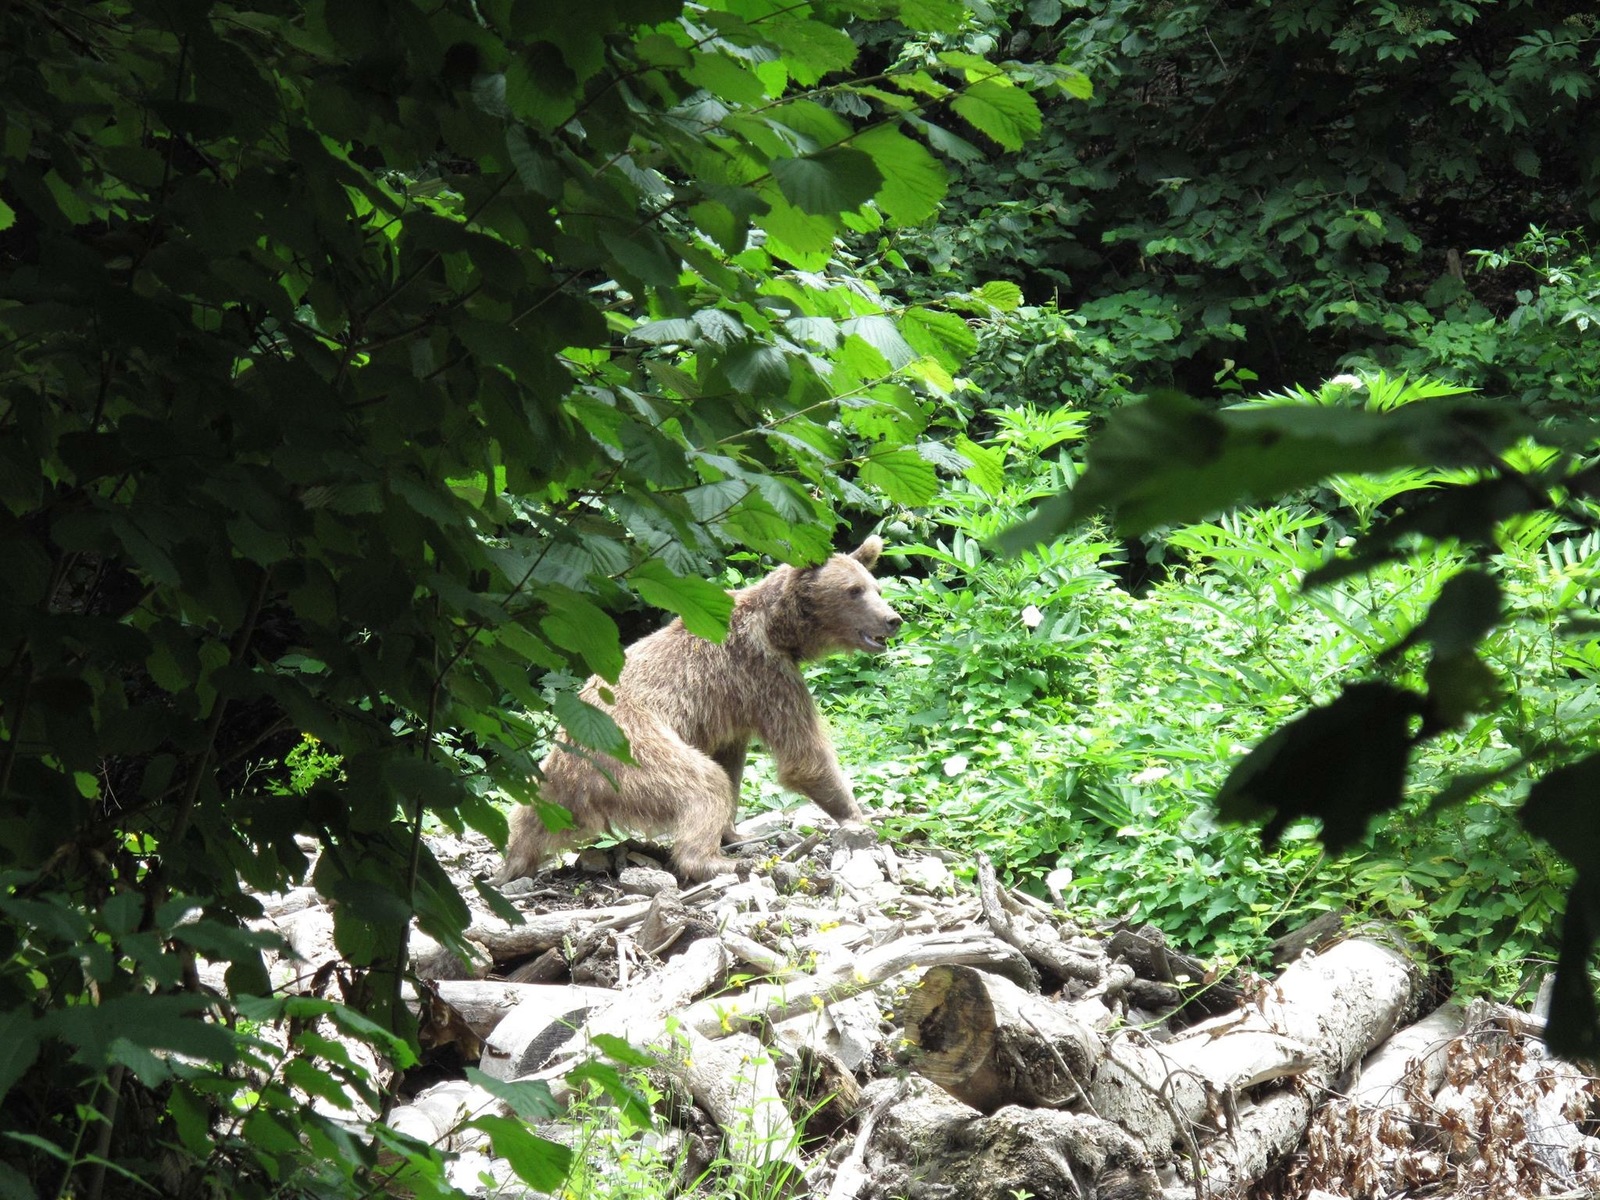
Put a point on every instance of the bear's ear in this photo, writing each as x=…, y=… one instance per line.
x=867, y=553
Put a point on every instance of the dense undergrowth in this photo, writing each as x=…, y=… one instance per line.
x=1038, y=710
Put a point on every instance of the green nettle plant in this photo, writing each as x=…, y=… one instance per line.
x=1463, y=599
x=1073, y=725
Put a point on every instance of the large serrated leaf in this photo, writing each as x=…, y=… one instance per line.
x=704, y=606
x=943, y=336
x=537, y=170
x=1000, y=294
x=1564, y=809
x=881, y=333
x=933, y=16
x=723, y=76
x=902, y=475
x=831, y=181
x=810, y=48
x=1467, y=608
x=986, y=468
x=575, y=624
x=913, y=180
x=1003, y=112
x=802, y=238
x=757, y=369
x=591, y=726
x=530, y=1099
x=541, y=1164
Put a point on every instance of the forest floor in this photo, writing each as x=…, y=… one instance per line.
x=851, y=1020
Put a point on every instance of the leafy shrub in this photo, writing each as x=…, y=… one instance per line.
x=1037, y=712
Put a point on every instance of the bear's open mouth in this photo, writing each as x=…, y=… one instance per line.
x=874, y=644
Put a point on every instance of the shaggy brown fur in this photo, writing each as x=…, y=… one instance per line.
x=690, y=708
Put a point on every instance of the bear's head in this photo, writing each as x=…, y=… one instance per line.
x=844, y=603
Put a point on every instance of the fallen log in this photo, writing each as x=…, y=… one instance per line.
x=780, y=1001
x=990, y=1043
x=1457, y=1101
x=1321, y=1015
x=924, y=1142
x=544, y=1018
x=636, y=1014
x=436, y=1115
x=481, y=1004
x=1052, y=955
x=543, y=931
x=1412, y=1061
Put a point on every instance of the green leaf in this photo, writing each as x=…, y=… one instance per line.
x=986, y=467
x=530, y=1099
x=1000, y=294
x=1467, y=608
x=575, y=624
x=704, y=606
x=831, y=181
x=374, y=903
x=591, y=726
x=541, y=1164
x=1169, y=459
x=1573, y=1031
x=810, y=48
x=723, y=76
x=618, y=1050
x=933, y=16
x=805, y=239
x=172, y=1023
x=538, y=171
x=1459, y=684
x=604, y=1076
x=913, y=180
x=941, y=335
x=882, y=335
x=1469, y=513
x=757, y=369
x=902, y=475
x=1564, y=809
x=889, y=412
x=19, y=1046
x=1004, y=112
x=540, y=88
x=15, y=1186
x=1343, y=763
x=8, y=216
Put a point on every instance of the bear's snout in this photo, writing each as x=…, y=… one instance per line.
x=877, y=641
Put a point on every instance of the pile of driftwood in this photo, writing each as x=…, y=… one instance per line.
x=857, y=1015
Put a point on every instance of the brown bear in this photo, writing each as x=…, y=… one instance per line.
x=690, y=708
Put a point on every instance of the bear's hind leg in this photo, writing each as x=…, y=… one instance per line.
x=732, y=759
x=687, y=794
x=531, y=845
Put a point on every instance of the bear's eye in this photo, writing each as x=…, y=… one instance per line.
x=860, y=589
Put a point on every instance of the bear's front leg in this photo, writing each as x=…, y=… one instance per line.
x=815, y=774
x=794, y=734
